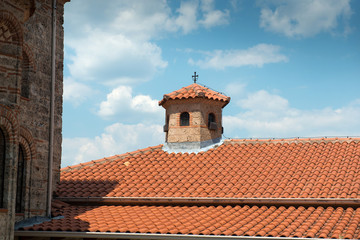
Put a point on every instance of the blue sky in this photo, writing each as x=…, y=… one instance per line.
x=291, y=68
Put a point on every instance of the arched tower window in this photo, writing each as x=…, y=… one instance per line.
x=212, y=122
x=20, y=184
x=184, y=119
x=2, y=167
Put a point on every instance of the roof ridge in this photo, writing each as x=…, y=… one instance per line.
x=209, y=88
x=291, y=140
x=111, y=158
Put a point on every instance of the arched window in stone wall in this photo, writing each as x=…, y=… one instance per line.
x=25, y=76
x=28, y=70
x=8, y=127
x=11, y=40
x=184, y=119
x=26, y=153
x=2, y=167
x=10, y=29
x=21, y=181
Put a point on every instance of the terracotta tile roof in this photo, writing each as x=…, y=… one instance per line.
x=306, y=222
x=58, y=207
x=308, y=188
x=195, y=91
x=237, y=169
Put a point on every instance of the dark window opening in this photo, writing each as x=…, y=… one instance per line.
x=212, y=122
x=25, y=91
x=211, y=119
x=2, y=167
x=25, y=78
x=185, y=119
x=20, y=184
x=166, y=126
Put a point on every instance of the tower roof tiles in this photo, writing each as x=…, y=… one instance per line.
x=195, y=90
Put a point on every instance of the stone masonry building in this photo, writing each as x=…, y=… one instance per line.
x=31, y=87
x=194, y=186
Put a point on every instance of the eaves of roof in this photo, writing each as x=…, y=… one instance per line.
x=110, y=235
x=257, y=221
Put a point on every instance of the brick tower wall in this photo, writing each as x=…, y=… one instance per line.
x=199, y=110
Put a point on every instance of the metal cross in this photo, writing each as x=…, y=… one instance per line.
x=195, y=77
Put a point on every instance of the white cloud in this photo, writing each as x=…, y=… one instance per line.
x=187, y=16
x=270, y=115
x=113, y=58
x=264, y=101
x=255, y=56
x=76, y=92
x=145, y=104
x=146, y=19
x=143, y=19
x=116, y=139
x=191, y=15
x=121, y=103
x=304, y=18
x=213, y=17
x=111, y=41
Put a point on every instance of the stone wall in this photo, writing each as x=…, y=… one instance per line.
x=3, y=223
x=37, y=35
x=25, y=93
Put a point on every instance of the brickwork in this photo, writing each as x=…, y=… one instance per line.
x=25, y=95
x=199, y=110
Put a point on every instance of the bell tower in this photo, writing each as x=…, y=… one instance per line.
x=193, y=117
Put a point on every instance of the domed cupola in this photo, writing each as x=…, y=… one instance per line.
x=193, y=117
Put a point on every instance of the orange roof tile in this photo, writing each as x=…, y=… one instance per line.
x=195, y=91
x=294, y=168
x=305, y=222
